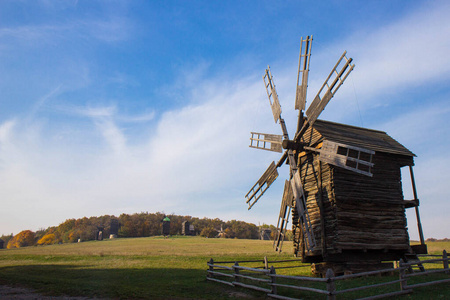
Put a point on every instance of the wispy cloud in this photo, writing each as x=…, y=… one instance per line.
x=195, y=155
x=108, y=29
x=411, y=52
x=5, y=131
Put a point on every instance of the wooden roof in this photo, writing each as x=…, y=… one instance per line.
x=360, y=137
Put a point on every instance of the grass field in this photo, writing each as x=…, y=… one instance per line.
x=146, y=268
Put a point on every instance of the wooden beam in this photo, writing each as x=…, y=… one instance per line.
x=419, y=225
x=411, y=203
x=322, y=212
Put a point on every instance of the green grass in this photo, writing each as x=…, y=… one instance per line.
x=149, y=268
x=127, y=268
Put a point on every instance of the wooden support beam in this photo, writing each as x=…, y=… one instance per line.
x=411, y=203
x=419, y=224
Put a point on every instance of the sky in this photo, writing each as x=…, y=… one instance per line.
x=111, y=107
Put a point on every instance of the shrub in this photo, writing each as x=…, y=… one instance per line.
x=47, y=239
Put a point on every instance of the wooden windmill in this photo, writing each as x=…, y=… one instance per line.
x=221, y=233
x=344, y=188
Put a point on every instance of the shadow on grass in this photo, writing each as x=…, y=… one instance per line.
x=161, y=283
x=120, y=283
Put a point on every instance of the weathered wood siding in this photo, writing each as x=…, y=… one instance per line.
x=309, y=168
x=359, y=212
x=369, y=210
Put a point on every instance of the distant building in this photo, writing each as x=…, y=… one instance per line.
x=265, y=234
x=113, y=228
x=99, y=233
x=187, y=228
x=166, y=226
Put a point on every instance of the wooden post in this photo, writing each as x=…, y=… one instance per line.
x=236, y=271
x=419, y=225
x=211, y=268
x=445, y=262
x=266, y=263
x=322, y=212
x=403, y=284
x=331, y=288
x=273, y=280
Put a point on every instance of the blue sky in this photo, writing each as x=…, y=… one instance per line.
x=130, y=106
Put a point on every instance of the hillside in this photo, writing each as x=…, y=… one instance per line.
x=142, y=224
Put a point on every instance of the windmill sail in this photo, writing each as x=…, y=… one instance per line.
x=264, y=141
x=272, y=94
x=303, y=71
x=283, y=218
x=352, y=158
x=333, y=83
x=262, y=185
x=302, y=210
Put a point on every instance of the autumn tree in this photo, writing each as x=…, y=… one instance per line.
x=241, y=230
x=22, y=239
x=136, y=225
x=208, y=232
x=6, y=239
x=47, y=239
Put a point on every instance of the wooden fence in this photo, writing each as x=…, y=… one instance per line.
x=265, y=279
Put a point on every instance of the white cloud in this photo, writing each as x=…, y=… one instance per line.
x=197, y=159
x=108, y=29
x=5, y=131
x=97, y=112
x=408, y=53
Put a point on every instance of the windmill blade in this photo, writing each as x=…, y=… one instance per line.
x=303, y=70
x=302, y=211
x=299, y=196
x=332, y=84
x=274, y=102
x=349, y=157
x=264, y=141
x=261, y=185
x=283, y=218
x=272, y=94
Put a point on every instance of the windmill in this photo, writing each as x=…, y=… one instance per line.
x=221, y=233
x=330, y=163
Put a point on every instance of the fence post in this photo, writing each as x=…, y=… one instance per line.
x=445, y=261
x=403, y=280
x=331, y=288
x=266, y=263
x=273, y=280
x=236, y=271
x=211, y=268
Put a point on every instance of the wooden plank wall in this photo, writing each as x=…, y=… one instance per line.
x=359, y=212
x=370, y=213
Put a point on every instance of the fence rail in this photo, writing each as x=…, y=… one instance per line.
x=265, y=279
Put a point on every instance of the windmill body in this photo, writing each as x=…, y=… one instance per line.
x=345, y=189
x=355, y=217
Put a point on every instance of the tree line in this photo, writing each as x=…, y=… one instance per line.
x=142, y=224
